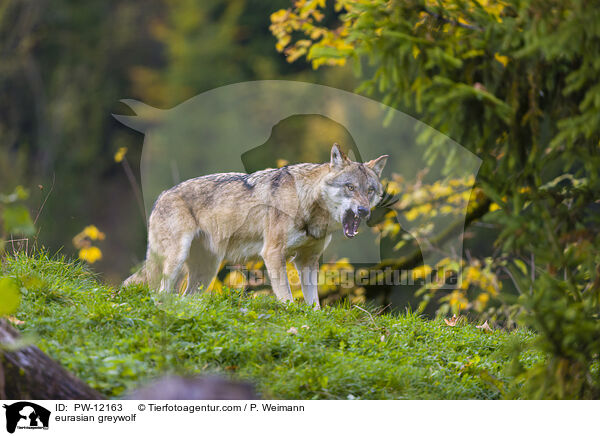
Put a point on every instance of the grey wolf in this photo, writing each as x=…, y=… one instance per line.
x=276, y=214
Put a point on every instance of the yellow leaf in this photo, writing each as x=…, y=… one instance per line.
x=502, y=59
x=412, y=214
x=393, y=188
x=90, y=254
x=278, y=16
x=215, y=286
x=235, y=280
x=283, y=42
x=421, y=272
x=458, y=299
x=93, y=233
x=462, y=20
x=483, y=298
x=281, y=163
x=183, y=286
x=120, y=154
x=415, y=51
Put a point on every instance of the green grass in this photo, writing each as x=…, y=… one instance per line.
x=114, y=339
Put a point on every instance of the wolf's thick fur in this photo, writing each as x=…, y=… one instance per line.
x=276, y=214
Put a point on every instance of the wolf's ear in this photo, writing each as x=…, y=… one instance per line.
x=145, y=118
x=338, y=158
x=378, y=164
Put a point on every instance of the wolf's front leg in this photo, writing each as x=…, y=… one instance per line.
x=275, y=263
x=309, y=276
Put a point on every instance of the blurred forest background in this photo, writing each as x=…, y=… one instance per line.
x=65, y=65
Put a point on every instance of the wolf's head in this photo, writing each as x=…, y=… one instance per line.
x=352, y=189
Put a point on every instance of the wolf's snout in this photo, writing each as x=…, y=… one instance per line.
x=363, y=212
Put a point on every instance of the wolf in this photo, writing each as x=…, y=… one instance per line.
x=281, y=214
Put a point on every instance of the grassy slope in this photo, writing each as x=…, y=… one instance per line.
x=114, y=338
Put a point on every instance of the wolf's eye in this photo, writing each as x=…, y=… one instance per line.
x=371, y=190
x=350, y=187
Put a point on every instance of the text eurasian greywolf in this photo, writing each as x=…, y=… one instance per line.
x=277, y=214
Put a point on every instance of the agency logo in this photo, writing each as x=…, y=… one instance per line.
x=251, y=126
x=26, y=415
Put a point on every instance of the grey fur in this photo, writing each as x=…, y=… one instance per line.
x=276, y=214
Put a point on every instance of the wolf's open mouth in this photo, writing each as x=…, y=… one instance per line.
x=350, y=223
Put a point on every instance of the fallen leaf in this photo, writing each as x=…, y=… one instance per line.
x=293, y=331
x=382, y=338
x=452, y=321
x=305, y=327
x=15, y=321
x=485, y=327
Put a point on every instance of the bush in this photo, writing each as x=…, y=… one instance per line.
x=516, y=83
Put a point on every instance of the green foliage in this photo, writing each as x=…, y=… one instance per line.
x=570, y=335
x=515, y=82
x=17, y=220
x=207, y=45
x=14, y=216
x=115, y=339
x=10, y=296
x=65, y=67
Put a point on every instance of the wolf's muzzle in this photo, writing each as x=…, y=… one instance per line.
x=363, y=212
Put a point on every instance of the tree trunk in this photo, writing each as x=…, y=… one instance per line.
x=2, y=392
x=26, y=373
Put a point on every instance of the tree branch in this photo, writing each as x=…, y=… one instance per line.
x=449, y=21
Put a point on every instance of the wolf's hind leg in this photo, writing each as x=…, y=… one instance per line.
x=173, y=257
x=138, y=277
